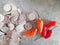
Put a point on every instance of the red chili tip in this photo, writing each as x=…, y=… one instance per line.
x=51, y=24
x=48, y=35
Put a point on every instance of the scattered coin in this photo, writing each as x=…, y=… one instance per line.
x=7, y=7
x=28, y=26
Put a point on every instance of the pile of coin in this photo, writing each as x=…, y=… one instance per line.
x=15, y=19
x=17, y=25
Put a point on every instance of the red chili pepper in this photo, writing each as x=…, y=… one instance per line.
x=44, y=31
x=48, y=35
x=51, y=24
x=39, y=25
x=31, y=33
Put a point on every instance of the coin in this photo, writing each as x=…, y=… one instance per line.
x=32, y=16
x=20, y=28
x=28, y=26
x=11, y=26
x=7, y=7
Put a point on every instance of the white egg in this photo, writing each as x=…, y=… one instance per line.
x=11, y=26
x=1, y=17
x=7, y=7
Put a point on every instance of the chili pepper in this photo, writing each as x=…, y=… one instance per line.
x=51, y=24
x=48, y=35
x=39, y=25
x=44, y=31
x=31, y=33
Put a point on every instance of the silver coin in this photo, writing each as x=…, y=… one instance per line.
x=13, y=7
x=32, y=16
x=7, y=7
x=14, y=12
x=15, y=16
x=6, y=19
x=20, y=28
x=11, y=26
x=22, y=19
x=28, y=26
x=4, y=29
